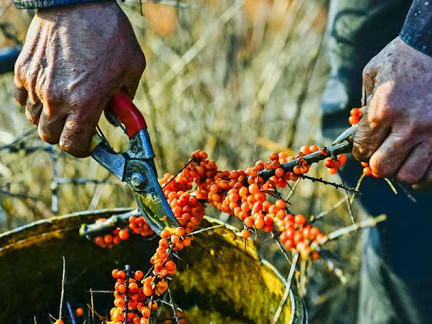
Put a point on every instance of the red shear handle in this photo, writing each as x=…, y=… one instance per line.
x=127, y=113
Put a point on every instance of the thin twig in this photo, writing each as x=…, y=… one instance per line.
x=62, y=288
x=92, y=304
x=17, y=195
x=287, y=288
x=371, y=221
x=281, y=247
x=82, y=181
x=321, y=180
x=54, y=183
x=205, y=229
x=173, y=305
x=128, y=274
x=405, y=191
x=177, y=4
x=14, y=144
x=325, y=213
x=101, y=291
x=357, y=187
x=294, y=187
x=178, y=172
x=348, y=201
x=392, y=187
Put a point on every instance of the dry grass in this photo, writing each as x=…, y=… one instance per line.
x=239, y=79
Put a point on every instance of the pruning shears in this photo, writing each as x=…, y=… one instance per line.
x=347, y=135
x=136, y=166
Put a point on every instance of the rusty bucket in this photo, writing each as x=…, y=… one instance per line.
x=219, y=279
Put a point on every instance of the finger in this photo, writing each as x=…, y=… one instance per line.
x=425, y=184
x=50, y=129
x=131, y=83
x=369, y=74
x=33, y=110
x=369, y=137
x=133, y=74
x=416, y=164
x=390, y=156
x=77, y=133
x=19, y=92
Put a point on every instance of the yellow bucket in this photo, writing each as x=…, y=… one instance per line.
x=219, y=279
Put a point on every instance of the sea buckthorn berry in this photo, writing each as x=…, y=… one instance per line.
x=79, y=312
x=245, y=233
x=300, y=219
x=274, y=156
x=123, y=234
x=253, y=188
x=279, y=172
x=305, y=150
x=138, y=275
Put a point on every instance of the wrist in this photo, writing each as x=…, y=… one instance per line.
x=417, y=28
x=42, y=5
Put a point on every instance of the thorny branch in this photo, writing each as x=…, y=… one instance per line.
x=317, y=156
x=92, y=230
x=336, y=185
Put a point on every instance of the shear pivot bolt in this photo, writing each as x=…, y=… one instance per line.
x=137, y=180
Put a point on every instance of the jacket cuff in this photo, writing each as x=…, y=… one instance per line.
x=417, y=29
x=39, y=4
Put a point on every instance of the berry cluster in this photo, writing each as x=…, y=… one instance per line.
x=355, y=116
x=354, y=119
x=334, y=163
x=109, y=240
x=241, y=193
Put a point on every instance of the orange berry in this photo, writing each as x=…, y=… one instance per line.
x=279, y=172
x=332, y=170
x=245, y=233
x=138, y=275
x=280, y=204
x=123, y=234
x=305, y=150
x=253, y=188
x=79, y=311
x=274, y=156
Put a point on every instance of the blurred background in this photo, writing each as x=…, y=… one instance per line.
x=237, y=78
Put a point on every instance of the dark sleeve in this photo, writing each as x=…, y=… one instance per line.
x=38, y=4
x=417, y=29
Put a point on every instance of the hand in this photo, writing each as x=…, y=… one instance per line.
x=74, y=59
x=395, y=133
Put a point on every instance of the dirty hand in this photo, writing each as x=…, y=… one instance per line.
x=395, y=133
x=75, y=58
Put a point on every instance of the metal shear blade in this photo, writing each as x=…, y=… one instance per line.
x=346, y=135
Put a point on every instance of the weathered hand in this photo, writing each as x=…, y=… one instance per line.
x=396, y=131
x=75, y=58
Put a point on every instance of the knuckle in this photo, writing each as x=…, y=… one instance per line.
x=50, y=93
x=34, y=119
x=361, y=149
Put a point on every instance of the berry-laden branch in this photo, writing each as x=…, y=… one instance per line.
x=316, y=156
x=245, y=194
